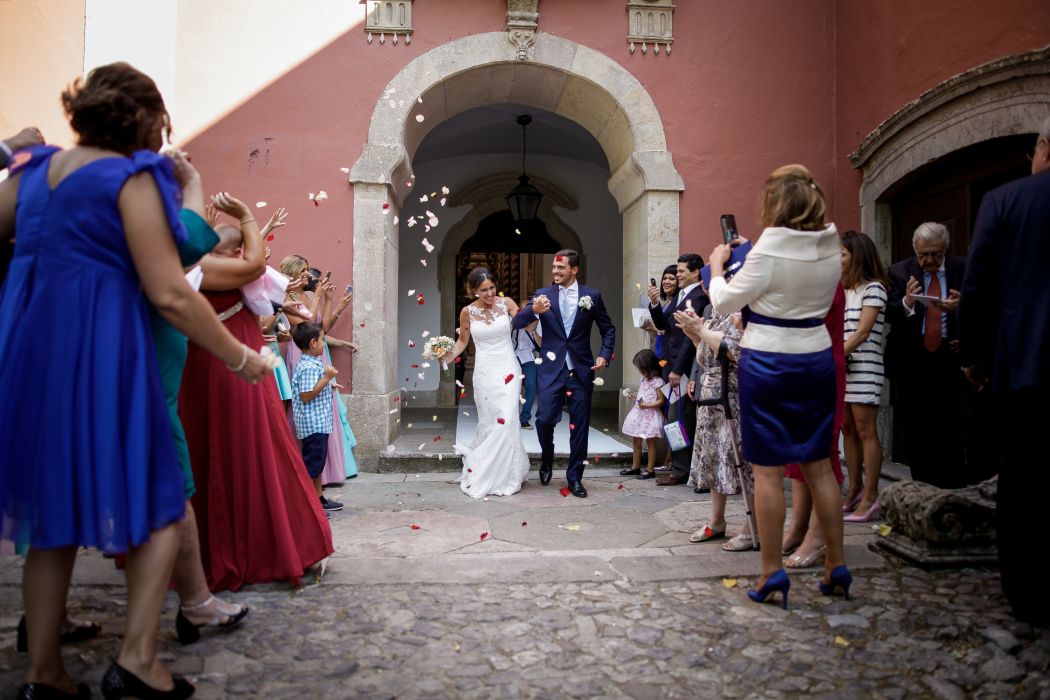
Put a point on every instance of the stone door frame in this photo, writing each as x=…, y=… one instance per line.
x=563, y=77
x=1004, y=97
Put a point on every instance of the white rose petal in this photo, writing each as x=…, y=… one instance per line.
x=345, y=171
x=539, y=360
x=421, y=377
x=444, y=190
x=443, y=200
x=423, y=262
x=551, y=356
x=396, y=221
x=419, y=117
x=424, y=198
x=411, y=292
x=260, y=205
x=425, y=334
x=598, y=381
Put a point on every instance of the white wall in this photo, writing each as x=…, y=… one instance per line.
x=596, y=221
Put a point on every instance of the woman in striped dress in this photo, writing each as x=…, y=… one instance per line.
x=864, y=278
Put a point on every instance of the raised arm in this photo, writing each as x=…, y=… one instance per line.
x=524, y=316
x=222, y=273
x=156, y=260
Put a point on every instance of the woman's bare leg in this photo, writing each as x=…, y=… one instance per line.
x=45, y=586
x=864, y=420
x=769, y=502
x=827, y=504
x=854, y=455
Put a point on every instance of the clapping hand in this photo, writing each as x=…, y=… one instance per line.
x=690, y=323
x=228, y=204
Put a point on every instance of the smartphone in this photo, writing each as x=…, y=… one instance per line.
x=652, y=281
x=327, y=276
x=349, y=289
x=729, y=232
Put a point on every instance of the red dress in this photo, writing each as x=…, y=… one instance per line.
x=258, y=515
x=835, y=321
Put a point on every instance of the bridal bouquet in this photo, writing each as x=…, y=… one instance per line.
x=436, y=348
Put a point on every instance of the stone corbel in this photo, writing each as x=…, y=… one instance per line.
x=393, y=17
x=650, y=23
x=522, y=23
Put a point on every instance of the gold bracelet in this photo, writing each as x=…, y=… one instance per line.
x=247, y=221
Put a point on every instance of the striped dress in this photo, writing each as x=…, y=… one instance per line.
x=865, y=372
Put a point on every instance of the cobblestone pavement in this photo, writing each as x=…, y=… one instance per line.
x=628, y=609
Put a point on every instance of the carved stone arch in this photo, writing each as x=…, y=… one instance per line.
x=560, y=76
x=1005, y=97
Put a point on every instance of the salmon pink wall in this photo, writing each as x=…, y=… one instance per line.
x=889, y=52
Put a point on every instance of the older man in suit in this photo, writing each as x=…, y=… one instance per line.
x=1005, y=323
x=923, y=357
x=680, y=356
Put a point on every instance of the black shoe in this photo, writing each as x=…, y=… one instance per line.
x=77, y=634
x=122, y=683
x=647, y=475
x=331, y=506
x=700, y=490
x=546, y=472
x=630, y=472
x=576, y=487
x=525, y=425
x=188, y=632
x=39, y=691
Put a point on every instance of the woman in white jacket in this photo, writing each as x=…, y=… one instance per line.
x=787, y=373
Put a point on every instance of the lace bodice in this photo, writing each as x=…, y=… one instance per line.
x=490, y=328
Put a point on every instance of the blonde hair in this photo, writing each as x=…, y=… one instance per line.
x=792, y=199
x=293, y=266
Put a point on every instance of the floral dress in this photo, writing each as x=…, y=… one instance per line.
x=645, y=422
x=714, y=459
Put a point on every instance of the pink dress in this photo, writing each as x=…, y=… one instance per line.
x=645, y=422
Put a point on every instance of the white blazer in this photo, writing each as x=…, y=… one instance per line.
x=788, y=274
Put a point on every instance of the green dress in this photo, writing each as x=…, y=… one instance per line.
x=171, y=344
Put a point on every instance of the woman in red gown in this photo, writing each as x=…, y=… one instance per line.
x=257, y=514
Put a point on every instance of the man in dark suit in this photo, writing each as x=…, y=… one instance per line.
x=923, y=358
x=567, y=311
x=1005, y=324
x=680, y=355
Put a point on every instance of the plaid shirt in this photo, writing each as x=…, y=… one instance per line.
x=316, y=416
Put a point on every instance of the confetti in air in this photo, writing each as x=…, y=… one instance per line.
x=598, y=381
x=444, y=190
x=551, y=356
x=422, y=262
x=419, y=117
x=345, y=171
x=260, y=205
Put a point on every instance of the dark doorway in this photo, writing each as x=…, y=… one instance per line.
x=949, y=190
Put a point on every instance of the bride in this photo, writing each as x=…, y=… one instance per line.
x=496, y=462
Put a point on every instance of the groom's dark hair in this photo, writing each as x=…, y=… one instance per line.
x=571, y=256
x=692, y=261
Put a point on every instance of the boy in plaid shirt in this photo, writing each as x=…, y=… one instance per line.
x=312, y=404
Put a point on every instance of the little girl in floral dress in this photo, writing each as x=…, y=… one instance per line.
x=644, y=421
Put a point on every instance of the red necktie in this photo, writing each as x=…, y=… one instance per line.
x=932, y=339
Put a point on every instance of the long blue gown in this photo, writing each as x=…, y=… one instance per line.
x=86, y=451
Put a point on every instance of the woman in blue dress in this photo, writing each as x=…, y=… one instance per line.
x=787, y=371
x=96, y=229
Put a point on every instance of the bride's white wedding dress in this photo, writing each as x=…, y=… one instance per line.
x=496, y=463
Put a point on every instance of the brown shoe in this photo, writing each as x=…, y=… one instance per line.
x=669, y=481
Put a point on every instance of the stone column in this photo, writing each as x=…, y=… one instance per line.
x=375, y=389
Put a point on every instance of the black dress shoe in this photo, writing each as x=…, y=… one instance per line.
x=122, y=683
x=77, y=634
x=39, y=691
x=546, y=472
x=700, y=490
x=630, y=472
x=576, y=487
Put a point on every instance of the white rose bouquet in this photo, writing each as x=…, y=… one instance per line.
x=436, y=348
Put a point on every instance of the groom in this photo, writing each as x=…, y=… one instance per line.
x=566, y=312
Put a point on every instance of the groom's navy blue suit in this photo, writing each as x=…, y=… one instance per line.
x=554, y=376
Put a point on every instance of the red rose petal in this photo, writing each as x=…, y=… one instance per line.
x=484, y=536
x=386, y=205
x=508, y=379
x=414, y=526
x=469, y=470
x=596, y=459
x=568, y=393
x=572, y=426
x=565, y=491
x=414, y=366
x=523, y=523
x=620, y=486
x=437, y=438
x=362, y=325
x=458, y=360
x=269, y=236
x=559, y=258
x=500, y=421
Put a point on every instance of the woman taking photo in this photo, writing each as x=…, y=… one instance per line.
x=787, y=371
x=97, y=227
x=865, y=281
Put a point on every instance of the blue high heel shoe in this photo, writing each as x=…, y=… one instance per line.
x=779, y=581
x=840, y=577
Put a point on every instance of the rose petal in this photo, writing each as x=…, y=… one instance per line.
x=568, y=393
x=524, y=523
x=551, y=356
x=663, y=363
x=396, y=220
x=345, y=171
x=572, y=426
x=564, y=491
x=501, y=421
x=484, y=536
x=260, y=205
x=620, y=486
x=437, y=439
x=598, y=381
x=419, y=117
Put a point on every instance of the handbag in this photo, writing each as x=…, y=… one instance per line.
x=677, y=436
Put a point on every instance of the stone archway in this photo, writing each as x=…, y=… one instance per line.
x=1001, y=98
x=561, y=77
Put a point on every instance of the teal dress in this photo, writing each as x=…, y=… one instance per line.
x=171, y=344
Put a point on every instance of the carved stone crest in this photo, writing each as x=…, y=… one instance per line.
x=393, y=17
x=522, y=23
x=649, y=23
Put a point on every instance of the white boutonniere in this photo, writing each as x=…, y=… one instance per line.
x=586, y=303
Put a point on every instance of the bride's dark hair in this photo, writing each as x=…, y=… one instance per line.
x=477, y=277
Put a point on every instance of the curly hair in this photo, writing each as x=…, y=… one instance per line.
x=792, y=199
x=116, y=108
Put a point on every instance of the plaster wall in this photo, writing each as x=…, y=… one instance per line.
x=889, y=52
x=42, y=51
x=596, y=221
